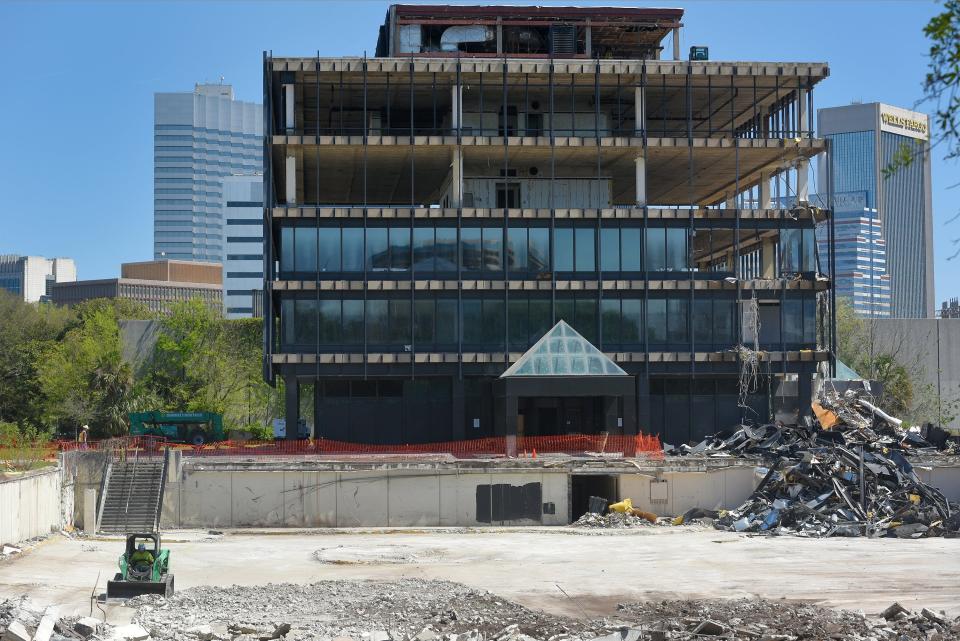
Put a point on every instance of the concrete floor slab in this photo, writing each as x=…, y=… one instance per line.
x=527, y=565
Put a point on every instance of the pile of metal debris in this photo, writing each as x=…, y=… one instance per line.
x=844, y=473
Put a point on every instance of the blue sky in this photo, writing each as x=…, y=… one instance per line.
x=76, y=113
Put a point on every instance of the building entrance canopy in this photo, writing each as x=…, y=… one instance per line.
x=561, y=367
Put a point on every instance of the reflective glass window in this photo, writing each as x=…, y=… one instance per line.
x=676, y=249
x=471, y=248
x=286, y=249
x=492, y=248
x=399, y=332
x=423, y=317
x=329, y=249
x=518, y=319
x=586, y=253
x=446, y=324
x=585, y=316
x=793, y=321
x=472, y=322
x=630, y=249
x=702, y=323
x=677, y=320
x=538, y=258
x=423, y=257
x=353, y=249
x=378, y=249
x=655, y=246
x=446, y=249
x=517, y=249
x=493, y=323
x=399, y=248
x=657, y=322
x=329, y=312
x=563, y=249
x=353, y=322
x=540, y=321
x=305, y=259
x=377, y=321
x=610, y=321
x=631, y=314
x=610, y=249
x=305, y=319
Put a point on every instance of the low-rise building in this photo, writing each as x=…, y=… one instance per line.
x=30, y=277
x=158, y=284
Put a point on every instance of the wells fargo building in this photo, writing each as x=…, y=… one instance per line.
x=432, y=212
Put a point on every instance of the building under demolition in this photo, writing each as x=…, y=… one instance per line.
x=433, y=212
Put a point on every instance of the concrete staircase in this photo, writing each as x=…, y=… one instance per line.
x=133, y=495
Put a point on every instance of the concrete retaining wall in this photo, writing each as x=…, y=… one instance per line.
x=30, y=506
x=397, y=497
x=677, y=492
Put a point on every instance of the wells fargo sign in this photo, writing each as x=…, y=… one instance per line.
x=905, y=122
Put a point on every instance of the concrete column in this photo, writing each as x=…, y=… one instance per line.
x=89, y=510
x=765, y=200
x=291, y=405
x=767, y=256
x=289, y=102
x=588, y=35
x=804, y=117
x=499, y=36
x=290, y=187
x=456, y=178
x=641, y=168
x=803, y=181
x=676, y=43
x=640, y=110
x=731, y=201
x=456, y=93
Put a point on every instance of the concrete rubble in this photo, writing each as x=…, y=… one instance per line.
x=423, y=610
x=845, y=473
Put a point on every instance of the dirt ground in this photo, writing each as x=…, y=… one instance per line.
x=559, y=570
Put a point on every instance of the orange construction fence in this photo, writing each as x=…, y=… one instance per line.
x=529, y=446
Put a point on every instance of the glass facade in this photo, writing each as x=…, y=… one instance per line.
x=200, y=138
x=400, y=246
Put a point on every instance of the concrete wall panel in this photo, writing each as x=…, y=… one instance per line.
x=362, y=499
x=413, y=499
x=30, y=506
x=206, y=499
x=257, y=498
x=320, y=499
x=449, y=497
x=556, y=491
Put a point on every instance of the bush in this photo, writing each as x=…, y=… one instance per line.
x=22, y=449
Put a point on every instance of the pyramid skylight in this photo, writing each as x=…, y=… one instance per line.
x=563, y=352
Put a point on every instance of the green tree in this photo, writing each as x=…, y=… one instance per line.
x=25, y=331
x=204, y=362
x=84, y=377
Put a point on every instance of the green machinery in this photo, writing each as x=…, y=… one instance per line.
x=142, y=572
x=195, y=428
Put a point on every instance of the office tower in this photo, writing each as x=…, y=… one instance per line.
x=200, y=137
x=866, y=139
x=432, y=213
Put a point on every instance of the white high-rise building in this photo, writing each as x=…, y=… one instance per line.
x=200, y=137
x=29, y=277
x=242, y=243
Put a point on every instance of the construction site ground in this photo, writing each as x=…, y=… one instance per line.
x=566, y=571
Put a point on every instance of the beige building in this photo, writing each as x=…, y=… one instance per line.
x=156, y=283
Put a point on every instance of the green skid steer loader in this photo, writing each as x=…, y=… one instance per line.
x=138, y=575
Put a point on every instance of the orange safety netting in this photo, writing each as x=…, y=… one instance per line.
x=639, y=445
